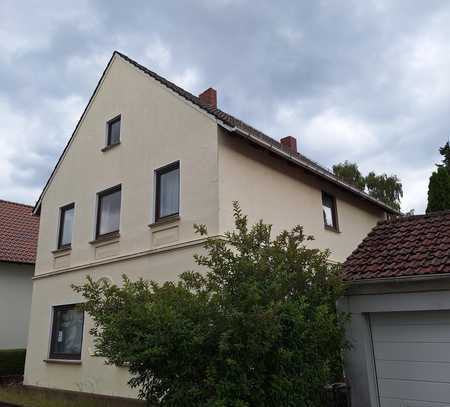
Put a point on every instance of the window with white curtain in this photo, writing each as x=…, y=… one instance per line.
x=167, y=191
x=67, y=332
x=66, y=215
x=108, y=211
x=329, y=211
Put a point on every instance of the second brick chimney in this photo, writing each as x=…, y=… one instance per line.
x=289, y=143
x=209, y=97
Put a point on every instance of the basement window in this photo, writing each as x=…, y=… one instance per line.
x=67, y=332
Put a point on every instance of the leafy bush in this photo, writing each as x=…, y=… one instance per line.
x=259, y=328
x=12, y=362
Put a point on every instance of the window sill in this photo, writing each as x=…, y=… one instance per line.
x=332, y=229
x=64, y=361
x=106, y=238
x=62, y=250
x=111, y=146
x=164, y=221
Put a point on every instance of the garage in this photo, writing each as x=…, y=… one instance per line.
x=398, y=300
x=412, y=357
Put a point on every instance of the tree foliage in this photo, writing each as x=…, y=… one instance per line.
x=445, y=152
x=385, y=188
x=258, y=328
x=439, y=184
x=439, y=190
x=349, y=172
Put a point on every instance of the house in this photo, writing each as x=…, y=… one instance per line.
x=399, y=301
x=146, y=162
x=18, y=240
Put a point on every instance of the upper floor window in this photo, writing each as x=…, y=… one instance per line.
x=329, y=211
x=67, y=332
x=108, y=211
x=113, y=136
x=167, y=191
x=66, y=215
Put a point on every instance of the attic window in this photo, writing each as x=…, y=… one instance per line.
x=113, y=136
x=329, y=211
x=65, y=226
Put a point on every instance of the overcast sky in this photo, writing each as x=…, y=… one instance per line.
x=367, y=81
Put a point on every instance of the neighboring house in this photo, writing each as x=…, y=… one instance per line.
x=18, y=240
x=399, y=300
x=146, y=162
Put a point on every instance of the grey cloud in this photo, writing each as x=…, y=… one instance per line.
x=354, y=58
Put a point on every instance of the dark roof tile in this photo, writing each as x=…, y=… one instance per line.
x=406, y=246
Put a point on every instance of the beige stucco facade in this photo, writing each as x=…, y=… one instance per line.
x=15, y=302
x=160, y=127
x=284, y=195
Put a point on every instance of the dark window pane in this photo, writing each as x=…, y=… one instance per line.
x=109, y=212
x=168, y=192
x=66, y=226
x=67, y=332
x=114, y=132
x=329, y=210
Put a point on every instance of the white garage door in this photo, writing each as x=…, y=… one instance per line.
x=412, y=358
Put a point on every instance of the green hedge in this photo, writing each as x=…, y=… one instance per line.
x=12, y=362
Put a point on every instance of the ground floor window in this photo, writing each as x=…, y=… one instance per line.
x=67, y=332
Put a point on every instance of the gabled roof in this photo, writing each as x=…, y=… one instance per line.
x=18, y=233
x=233, y=125
x=407, y=246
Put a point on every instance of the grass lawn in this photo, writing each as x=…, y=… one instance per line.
x=22, y=396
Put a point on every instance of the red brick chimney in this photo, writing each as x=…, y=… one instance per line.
x=209, y=96
x=289, y=143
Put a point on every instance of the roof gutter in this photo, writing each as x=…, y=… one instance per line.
x=401, y=279
x=296, y=160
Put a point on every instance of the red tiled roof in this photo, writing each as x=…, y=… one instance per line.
x=406, y=246
x=18, y=233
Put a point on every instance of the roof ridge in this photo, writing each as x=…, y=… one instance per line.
x=15, y=203
x=234, y=125
x=225, y=117
x=410, y=218
x=163, y=80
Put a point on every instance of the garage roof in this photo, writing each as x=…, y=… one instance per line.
x=18, y=233
x=408, y=246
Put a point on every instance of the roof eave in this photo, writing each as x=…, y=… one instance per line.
x=298, y=161
x=10, y=261
x=399, y=279
x=37, y=207
x=231, y=128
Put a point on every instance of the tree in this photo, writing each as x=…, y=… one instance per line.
x=259, y=328
x=387, y=189
x=349, y=172
x=445, y=152
x=439, y=190
x=439, y=184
